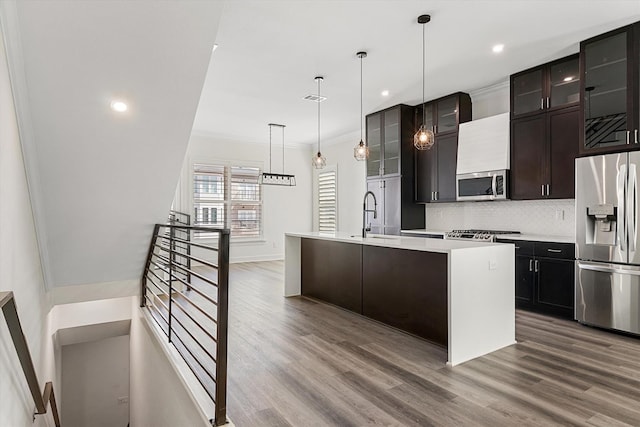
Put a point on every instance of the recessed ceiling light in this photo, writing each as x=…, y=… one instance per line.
x=385, y=93
x=568, y=79
x=215, y=46
x=498, y=48
x=119, y=106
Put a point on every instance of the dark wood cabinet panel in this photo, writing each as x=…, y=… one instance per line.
x=332, y=272
x=396, y=291
x=426, y=175
x=392, y=167
x=524, y=281
x=545, y=277
x=528, y=157
x=545, y=138
x=552, y=293
x=564, y=140
x=447, y=155
x=435, y=169
x=610, y=91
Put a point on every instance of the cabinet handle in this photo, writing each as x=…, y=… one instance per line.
x=547, y=102
x=542, y=103
x=437, y=195
x=530, y=265
x=628, y=135
x=548, y=192
x=517, y=247
x=636, y=134
x=542, y=189
x=536, y=266
x=555, y=251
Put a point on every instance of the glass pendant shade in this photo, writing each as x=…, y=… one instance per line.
x=424, y=138
x=361, y=151
x=319, y=161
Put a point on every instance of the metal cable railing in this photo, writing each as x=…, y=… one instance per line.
x=8, y=305
x=185, y=289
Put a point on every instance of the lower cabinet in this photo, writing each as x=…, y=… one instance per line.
x=401, y=288
x=545, y=276
x=396, y=291
x=332, y=272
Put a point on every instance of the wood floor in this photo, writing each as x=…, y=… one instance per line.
x=297, y=362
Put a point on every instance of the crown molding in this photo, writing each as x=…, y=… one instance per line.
x=489, y=90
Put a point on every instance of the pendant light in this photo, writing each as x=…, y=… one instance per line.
x=424, y=138
x=269, y=178
x=318, y=160
x=361, y=151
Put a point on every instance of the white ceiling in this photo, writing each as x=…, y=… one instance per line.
x=99, y=180
x=270, y=51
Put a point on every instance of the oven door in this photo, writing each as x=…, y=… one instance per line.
x=482, y=186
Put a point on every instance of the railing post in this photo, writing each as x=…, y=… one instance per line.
x=143, y=282
x=223, y=320
x=171, y=255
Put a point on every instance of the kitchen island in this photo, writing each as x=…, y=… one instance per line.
x=457, y=294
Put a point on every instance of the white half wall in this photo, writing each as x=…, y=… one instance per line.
x=95, y=383
x=159, y=395
x=20, y=267
x=284, y=208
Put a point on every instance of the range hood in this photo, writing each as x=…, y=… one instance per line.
x=483, y=145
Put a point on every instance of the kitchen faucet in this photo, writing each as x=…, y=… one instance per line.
x=365, y=210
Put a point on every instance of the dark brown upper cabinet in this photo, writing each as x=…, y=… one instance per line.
x=390, y=169
x=609, y=88
x=545, y=140
x=435, y=168
x=546, y=87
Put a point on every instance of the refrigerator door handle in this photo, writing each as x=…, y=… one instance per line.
x=620, y=220
x=607, y=268
x=631, y=207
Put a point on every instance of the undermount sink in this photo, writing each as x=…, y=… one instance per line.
x=377, y=237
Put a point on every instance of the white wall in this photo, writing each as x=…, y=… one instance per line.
x=20, y=269
x=351, y=181
x=94, y=376
x=284, y=208
x=158, y=397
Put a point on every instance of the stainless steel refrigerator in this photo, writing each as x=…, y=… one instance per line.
x=607, y=245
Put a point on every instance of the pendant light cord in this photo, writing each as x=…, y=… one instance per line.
x=319, y=100
x=424, y=109
x=361, y=121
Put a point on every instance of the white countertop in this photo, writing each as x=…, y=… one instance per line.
x=397, y=242
x=538, y=238
x=426, y=231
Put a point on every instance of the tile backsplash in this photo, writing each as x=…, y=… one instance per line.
x=548, y=217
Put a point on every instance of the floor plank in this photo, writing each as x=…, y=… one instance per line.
x=299, y=362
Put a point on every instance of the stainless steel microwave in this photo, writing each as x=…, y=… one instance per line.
x=491, y=185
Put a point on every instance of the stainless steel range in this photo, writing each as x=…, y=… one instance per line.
x=478, y=235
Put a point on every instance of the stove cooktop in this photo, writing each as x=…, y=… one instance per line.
x=482, y=235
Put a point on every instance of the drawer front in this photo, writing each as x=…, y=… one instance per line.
x=523, y=247
x=555, y=250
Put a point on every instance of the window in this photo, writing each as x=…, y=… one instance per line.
x=327, y=200
x=227, y=197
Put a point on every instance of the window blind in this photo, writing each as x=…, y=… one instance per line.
x=327, y=201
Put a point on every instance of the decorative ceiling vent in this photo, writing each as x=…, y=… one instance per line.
x=315, y=98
